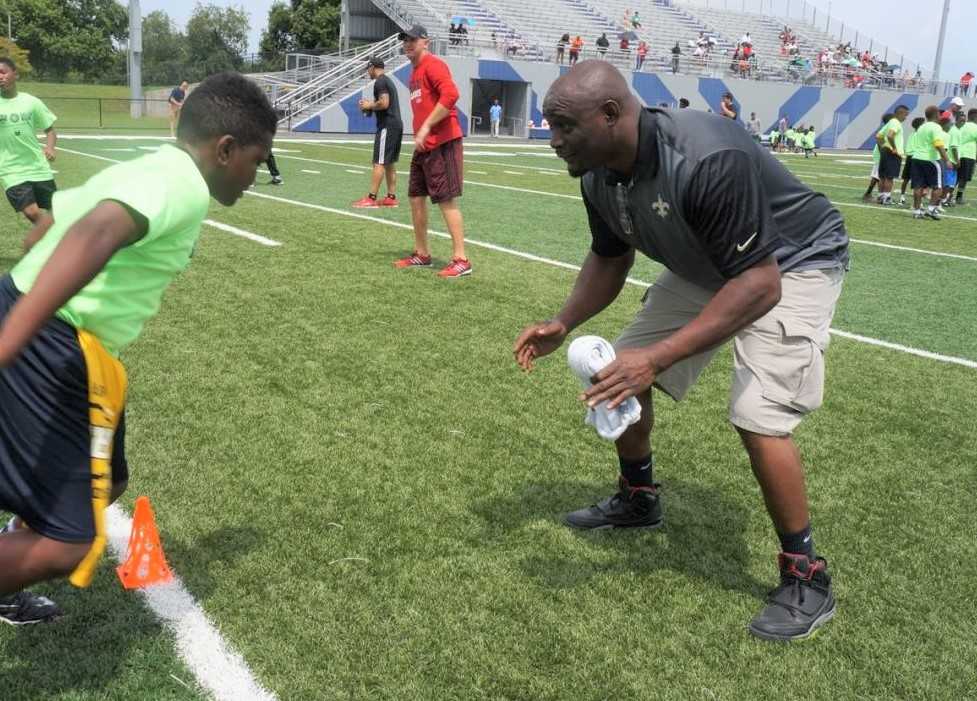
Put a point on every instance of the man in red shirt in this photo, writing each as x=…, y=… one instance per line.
x=436, y=168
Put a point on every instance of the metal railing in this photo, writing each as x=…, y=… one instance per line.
x=315, y=92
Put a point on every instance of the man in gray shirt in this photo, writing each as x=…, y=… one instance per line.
x=751, y=254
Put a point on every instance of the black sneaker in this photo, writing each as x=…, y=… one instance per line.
x=24, y=608
x=801, y=603
x=631, y=507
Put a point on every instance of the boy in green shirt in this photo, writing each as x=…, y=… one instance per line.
x=890, y=141
x=930, y=161
x=968, y=152
x=24, y=166
x=908, y=163
x=807, y=143
x=876, y=157
x=96, y=273
x=952, y=144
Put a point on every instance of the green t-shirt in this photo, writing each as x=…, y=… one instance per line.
x=791, y=135
x=167, y=189
x=893, y=125
x=21, y=154
x=807, y=139
x=911, y=144
x=968, y=140
x=953, y=139
x=927, y=137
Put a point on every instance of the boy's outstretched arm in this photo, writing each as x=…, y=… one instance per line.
x=85, y=249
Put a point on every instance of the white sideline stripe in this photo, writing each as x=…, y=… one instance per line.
x=242, y=233
x=478, y=172
x=568, y=266
x=217, y=667
x=266, y=172
x=217, y=225
x=514, y=172
x=348, y=170
x=631, y=281
x=467, y=160
x=311, y=172
x=905, y=349
x=913, y=250
x=907, y=212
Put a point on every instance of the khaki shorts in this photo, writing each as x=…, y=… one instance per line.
x=778, y=360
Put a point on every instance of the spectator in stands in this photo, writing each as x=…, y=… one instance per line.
x=575, y=48
x=727, y=108
x=625, y=46
x=561, y=46
x=676, y=57
x=635, y=21
x=641, y=55
x=683, y=103
x=453, y=35
x=463, y=33
x=753, y=126
x=602, y=44
x=965, y=80
x=745, y=39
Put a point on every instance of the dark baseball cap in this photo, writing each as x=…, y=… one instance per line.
x=415, y=32
x=375, y=62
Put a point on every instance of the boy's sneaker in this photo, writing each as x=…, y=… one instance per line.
x=932, y=214
x=277, y=180
x=366, y=203
x=918, y=214
x=24, y=608
x=902, y=201
x=630, y=507
x=414, y=260
x=801, y=603
x=389, y=201
x=456, y=268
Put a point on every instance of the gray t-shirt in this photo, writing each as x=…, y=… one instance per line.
x=708, y=202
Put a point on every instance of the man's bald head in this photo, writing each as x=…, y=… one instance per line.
x=590, y=84
x=593, y=118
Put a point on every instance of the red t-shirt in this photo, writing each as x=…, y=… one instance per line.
x=430, y=85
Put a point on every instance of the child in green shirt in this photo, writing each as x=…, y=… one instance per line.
x=96, y=272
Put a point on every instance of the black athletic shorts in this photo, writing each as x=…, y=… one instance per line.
x=889, y=165
x=386, y=144
x=45, y=436
x=907, y=168
x=927, y=174
x=29, y=193
x=965, y=172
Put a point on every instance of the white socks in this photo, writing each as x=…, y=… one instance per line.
x=587, y=356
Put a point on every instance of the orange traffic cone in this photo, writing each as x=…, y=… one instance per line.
x=145, y=563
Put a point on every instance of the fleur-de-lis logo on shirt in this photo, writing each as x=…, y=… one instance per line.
x=661, y=207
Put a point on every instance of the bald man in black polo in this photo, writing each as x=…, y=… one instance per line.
x=751, y=254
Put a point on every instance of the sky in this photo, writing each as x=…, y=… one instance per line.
x=912, y=29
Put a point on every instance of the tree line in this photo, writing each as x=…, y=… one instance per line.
x=87, y=40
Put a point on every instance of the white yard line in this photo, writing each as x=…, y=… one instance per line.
x=568, y=266
x=217, y=667
x=313, y=172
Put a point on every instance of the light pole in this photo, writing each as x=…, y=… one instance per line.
x=135, y=59
x=939, y=44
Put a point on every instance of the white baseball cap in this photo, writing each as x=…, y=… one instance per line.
x=957, y=101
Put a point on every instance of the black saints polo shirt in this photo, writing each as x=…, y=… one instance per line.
x=708, y=202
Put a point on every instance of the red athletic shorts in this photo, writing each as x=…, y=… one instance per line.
x=437, y=173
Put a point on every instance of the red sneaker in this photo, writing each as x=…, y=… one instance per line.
x=389, y=201
x=456, y=268
x=366, y=203
x=414, y=260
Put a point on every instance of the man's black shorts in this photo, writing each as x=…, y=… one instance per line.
x=965, y=172
x=386, y=144
x=926, y=174
x=889, y=165
x=907, y=166
x=39, y=193
x=45, y=439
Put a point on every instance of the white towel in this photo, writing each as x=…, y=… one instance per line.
x=587, y=356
